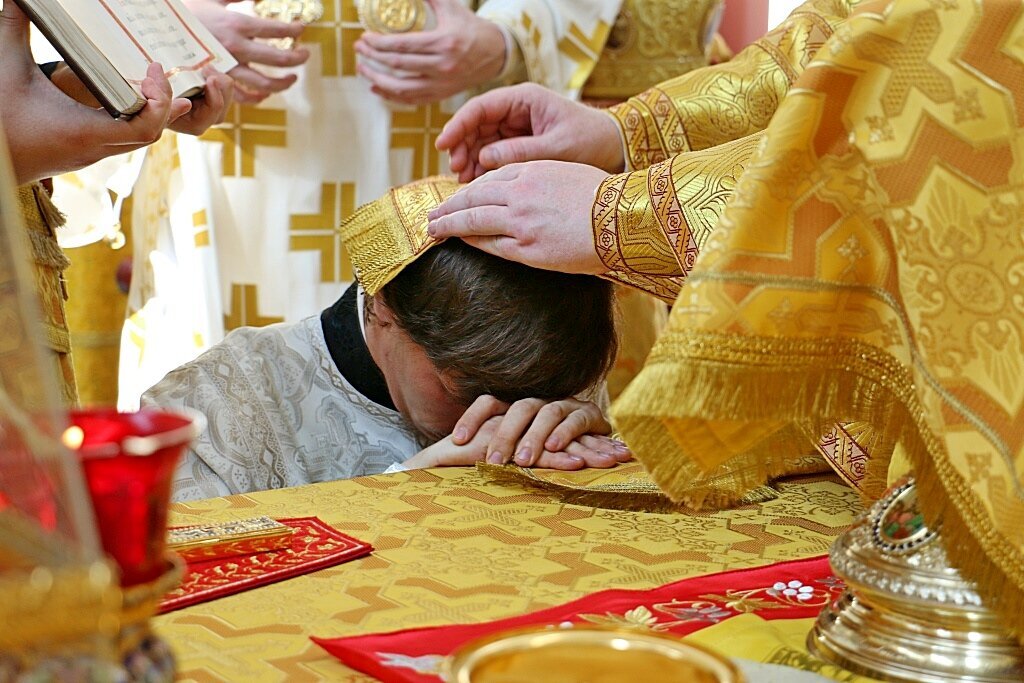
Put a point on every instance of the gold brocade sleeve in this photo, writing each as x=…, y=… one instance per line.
x=716, y=104
x=868, y=270
x=649, y=225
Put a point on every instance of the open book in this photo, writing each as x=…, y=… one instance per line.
x=110, y=43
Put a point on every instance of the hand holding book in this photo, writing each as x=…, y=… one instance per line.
x=49, y=132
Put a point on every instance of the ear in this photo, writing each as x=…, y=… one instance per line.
x=379, y=311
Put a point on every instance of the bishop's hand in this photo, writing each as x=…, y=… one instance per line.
x=537, y=213
x=527, y=122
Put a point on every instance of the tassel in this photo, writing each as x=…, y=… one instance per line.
x=47, y=209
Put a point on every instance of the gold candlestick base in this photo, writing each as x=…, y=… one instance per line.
x=906, y=614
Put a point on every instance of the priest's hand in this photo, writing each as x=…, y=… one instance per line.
x=527, y=122
x=461, y=52
x=211, y=108
x=241, y=34
x=206, y=111
x=532, y=427
x=48, y=132
x=577, y=454
x=537, y=213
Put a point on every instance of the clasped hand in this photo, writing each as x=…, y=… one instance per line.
x=564, y=435
x=461, y=52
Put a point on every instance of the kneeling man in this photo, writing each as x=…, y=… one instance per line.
x=378, y=381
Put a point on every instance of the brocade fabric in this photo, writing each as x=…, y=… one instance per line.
x=453, y=548
x=686, y=141
x=279, y=414
x=868, y=269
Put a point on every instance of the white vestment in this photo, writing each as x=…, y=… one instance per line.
x=279, y=414
x=239, y=228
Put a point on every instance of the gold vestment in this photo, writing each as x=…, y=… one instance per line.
x=649, y=224
x=868, y=267
x=41, y=221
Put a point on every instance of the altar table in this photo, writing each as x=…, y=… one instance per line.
x=451, y=547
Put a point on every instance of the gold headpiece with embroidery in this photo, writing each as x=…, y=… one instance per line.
x=389, y=233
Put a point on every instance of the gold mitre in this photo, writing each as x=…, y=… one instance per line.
x=389, y=233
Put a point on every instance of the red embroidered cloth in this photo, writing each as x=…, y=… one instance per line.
x=315, y=545
x=786, y=590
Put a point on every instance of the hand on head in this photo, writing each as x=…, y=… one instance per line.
x=461, y=52
x=524, y=123
x=49, y=132
x=537, y=213
x=241, y=34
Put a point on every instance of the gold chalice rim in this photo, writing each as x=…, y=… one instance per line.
x=459, y=667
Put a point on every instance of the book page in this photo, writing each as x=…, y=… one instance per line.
x=153, y=31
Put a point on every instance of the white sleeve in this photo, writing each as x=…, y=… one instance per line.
x=560, y=41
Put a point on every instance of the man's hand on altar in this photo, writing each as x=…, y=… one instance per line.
x=241, y=34
x=537, y=213
x=49, y=132
x=461, y=52
x=533, y=428
x=585, y=451
x=527, y=122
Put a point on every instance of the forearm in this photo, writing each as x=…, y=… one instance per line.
x=649, y=225
x=716, y=104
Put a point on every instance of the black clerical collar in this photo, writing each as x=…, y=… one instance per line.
x=348, y=350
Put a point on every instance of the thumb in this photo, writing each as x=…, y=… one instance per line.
x=514, y=150
x=13, y=22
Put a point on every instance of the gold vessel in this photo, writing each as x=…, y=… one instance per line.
x=395, y=16
x=546, y=654
x=306, y=11
x=906, y=614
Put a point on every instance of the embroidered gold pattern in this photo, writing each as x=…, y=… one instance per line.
x=868, y=278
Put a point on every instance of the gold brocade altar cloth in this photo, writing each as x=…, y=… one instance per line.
x=451, y=547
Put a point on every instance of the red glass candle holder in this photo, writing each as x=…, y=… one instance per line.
x=128, y=460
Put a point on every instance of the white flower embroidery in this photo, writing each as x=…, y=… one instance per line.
x=793, y=590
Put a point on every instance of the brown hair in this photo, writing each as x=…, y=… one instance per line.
x=502, y=328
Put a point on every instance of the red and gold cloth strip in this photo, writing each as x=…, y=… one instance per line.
x=315, y=545
x=787, y=590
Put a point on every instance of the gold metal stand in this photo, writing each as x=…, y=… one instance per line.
x=76, y=624
x=906, y=614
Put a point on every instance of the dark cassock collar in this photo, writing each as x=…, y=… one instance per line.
x=347, y=346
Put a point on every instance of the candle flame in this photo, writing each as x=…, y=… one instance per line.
x=73, y=437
